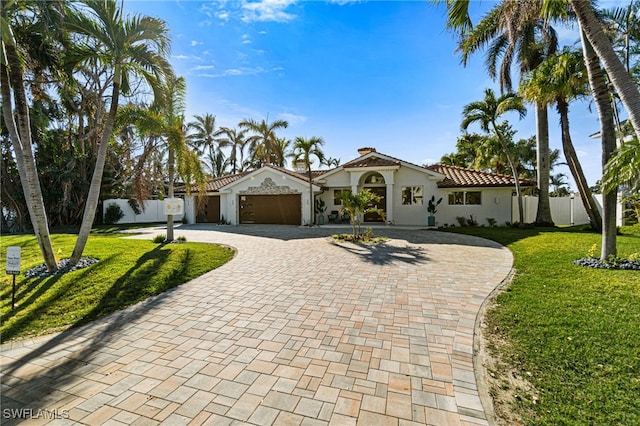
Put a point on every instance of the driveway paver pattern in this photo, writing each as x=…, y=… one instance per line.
x=295, y=330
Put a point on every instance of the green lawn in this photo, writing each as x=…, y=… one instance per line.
x=128, y=271
x=573, y=332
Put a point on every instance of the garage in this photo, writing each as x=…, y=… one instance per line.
x=282, y=209
x=209, y=210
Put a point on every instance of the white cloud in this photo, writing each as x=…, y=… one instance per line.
x=232, y=72
x=223, y=15
x=203, y=67
x=195, y=43
x=292, y=119
x=343, y=2
x=267, y=10
x=246, y=39
x=187, y=58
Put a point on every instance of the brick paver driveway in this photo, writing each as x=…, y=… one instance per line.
x=296, y=329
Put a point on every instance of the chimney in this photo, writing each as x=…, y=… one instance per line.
x=366, y=150
x=300, y=168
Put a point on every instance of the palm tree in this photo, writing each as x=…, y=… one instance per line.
x=264, y=145
x=303, y=150
x=514, y=30
x=357, y=205
x=559, y=183
x=486, y=113
x=204, y=138
x=592, y=31
x=560, y=79
x=13, y=90
x=332, y=162
x=602, y=99
x=281, y=152
x=164, y=120
x=132, y=46
x=237, y=141
x=458, y=20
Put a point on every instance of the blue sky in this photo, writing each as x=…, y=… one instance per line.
x=356, y=73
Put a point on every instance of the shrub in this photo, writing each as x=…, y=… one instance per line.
x=159, y=239
x=182, y=239
x=461, y=220
x=471, y=221
x=113, y=214
x=492, y=222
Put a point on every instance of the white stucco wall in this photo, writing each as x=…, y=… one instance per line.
x=496, y=202
x=153, y=211
x=252, y=184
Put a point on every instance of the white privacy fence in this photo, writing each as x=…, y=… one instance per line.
x=564, y=210
x=153, y=211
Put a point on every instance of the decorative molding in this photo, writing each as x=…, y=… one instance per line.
x=268, y=187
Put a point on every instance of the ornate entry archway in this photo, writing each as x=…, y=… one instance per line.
x=375, y=183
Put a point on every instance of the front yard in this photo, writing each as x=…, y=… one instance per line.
x=128, y=271
x=570, y=334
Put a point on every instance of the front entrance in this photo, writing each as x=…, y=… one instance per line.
x=209, y=211
x=380, y=191
x=285, y=209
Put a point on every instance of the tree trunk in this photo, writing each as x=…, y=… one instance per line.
x=514, y=171
x=602, y=99
x=171, y=167
x=11, y=76
x=96, y=180
x=576, y=169
x=311, y=200
x=600, y=43
x=543, y=214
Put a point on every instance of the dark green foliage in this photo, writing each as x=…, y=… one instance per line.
x=113, y=214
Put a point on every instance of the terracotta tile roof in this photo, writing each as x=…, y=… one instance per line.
x=300, y=175
x=215, y=184
x=314, y=174
x=372, y=161
x=457, y=177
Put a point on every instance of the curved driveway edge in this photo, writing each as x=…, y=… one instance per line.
x=296, y=329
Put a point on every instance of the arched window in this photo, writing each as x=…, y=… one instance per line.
x=374, y=179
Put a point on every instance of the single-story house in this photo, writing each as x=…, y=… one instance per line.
x=275, y=195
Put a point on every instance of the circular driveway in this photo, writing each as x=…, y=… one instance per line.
x=296, y=329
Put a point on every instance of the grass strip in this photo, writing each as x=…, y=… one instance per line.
x=128, y=271
x=573, y=332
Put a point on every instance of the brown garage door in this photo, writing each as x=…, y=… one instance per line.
x=271, y=209
x=209, y=211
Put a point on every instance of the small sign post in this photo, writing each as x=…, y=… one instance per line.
x=13, y=268
x=173, y=206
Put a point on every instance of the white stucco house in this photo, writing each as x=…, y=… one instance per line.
x=274, y=195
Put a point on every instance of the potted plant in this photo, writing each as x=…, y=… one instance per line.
x=431, y=208
x=320, y=209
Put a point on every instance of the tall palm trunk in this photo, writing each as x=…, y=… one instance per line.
x=11, y=76
x=96, y=180
x=543, y=214
x=311, y=199
x=576, y=168
x=601, y=45
x=602, y=99
x=171, y=167
x=514, y=171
